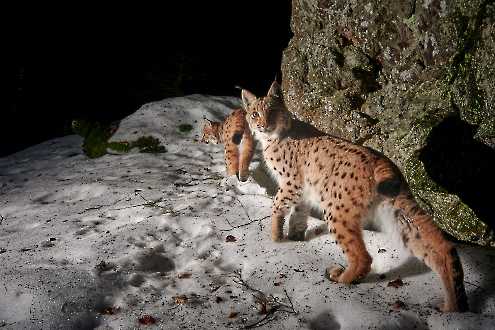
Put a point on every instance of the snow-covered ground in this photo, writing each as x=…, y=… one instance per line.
x=165, y=241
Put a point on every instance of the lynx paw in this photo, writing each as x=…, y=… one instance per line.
x=277, y=237
x=452, y=308
x=333, y=273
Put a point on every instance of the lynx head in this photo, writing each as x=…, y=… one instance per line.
x=211, y=132
x=266, y=116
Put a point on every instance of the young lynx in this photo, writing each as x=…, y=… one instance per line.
x=348, y=183
x=234, y=133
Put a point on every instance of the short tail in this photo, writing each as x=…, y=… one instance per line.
x=428, y=243
x=387, y=177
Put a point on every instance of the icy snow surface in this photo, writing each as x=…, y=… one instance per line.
x=101, y=243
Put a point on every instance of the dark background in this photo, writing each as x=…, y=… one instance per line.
x=102, y=63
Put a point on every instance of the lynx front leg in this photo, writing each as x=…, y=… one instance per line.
x=284, y=200
x=231, y=158
x=298, y=222
x=247, y=150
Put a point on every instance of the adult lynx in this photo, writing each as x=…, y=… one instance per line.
x=348, y=183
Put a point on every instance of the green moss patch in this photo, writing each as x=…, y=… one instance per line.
x=96, y=136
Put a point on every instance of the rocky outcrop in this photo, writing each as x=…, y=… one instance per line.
x=412, y=79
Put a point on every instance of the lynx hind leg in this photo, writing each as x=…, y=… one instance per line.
x=231, y=158
x=428, y=243
x=346, y=226
x=247, y=151
x=284, y=200
x=298, y=222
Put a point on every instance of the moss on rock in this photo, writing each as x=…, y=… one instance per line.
x=96, y=136
x=386, y=73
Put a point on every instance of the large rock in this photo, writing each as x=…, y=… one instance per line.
x=413, y=79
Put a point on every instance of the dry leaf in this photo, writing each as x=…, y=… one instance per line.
x=230, y=239
x=108, y=311
x=398, y=305
x=396, y=283
x=233, y=315
x=184, y=275
x=262, y=307
x=218, y=299
x=147, y=319
x=180, y=300
x=277, y=283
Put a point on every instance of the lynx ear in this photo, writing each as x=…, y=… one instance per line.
x=206, y=121
x=275, y=90
x=247, y=98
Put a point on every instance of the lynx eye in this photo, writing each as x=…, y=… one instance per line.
x=254, y=114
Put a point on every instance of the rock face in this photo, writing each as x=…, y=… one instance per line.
x=412, y=79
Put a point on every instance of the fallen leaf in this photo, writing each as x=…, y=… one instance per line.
x=233, y=315
x=104, y=266
x=277, y=283
x=147, y=319
x=396, y=283
x=218, y=299
x=398, y=305
x=262, y=307
x=180, y=300
x=184, y=275
x=108, y=311
x=230, y=239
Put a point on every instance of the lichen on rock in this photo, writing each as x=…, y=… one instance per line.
x=385, y=74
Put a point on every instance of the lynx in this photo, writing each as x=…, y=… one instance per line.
x=348, y=183
x=238, y=142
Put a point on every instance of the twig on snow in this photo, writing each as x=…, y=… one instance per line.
x=245, y=224
x=475, y=285
x=264, y=300
x=250, y=221
x=147, y=202
x=92, y=208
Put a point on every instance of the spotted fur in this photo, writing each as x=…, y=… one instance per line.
x=347, y=183
x=238, y=142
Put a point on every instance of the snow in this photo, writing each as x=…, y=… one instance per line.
x=100, y=243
